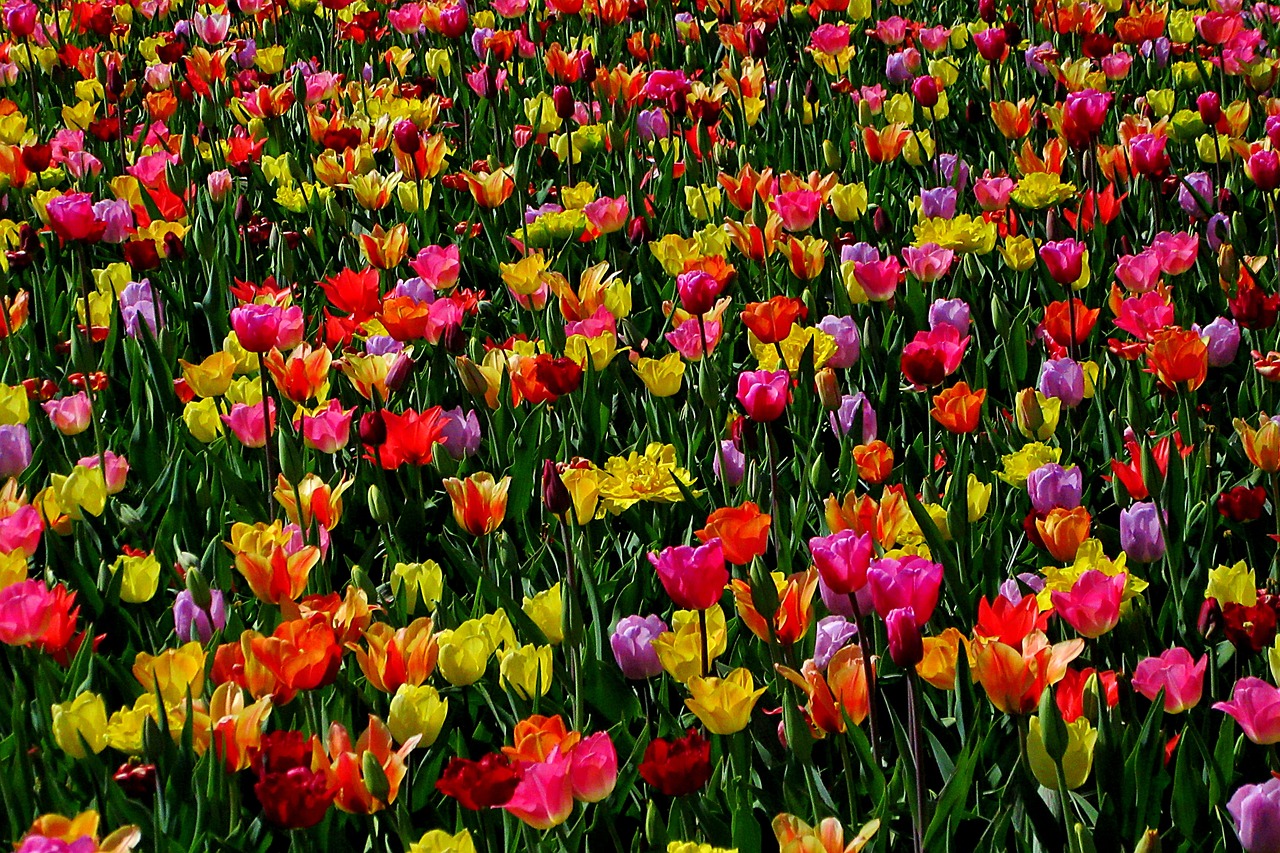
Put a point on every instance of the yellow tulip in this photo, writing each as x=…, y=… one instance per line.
x=423, y=584
x=662, y=376
x=1076, y=763
x=417, y=711
x=84, y=717
x=724, y=704
x=527, y=670
x=464, y=653
x=546, y=609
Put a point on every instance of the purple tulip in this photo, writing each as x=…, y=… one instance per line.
x=848, y=341
x=950, y=312
x=1224, y=340
x=138, y=305
x=652, y=125
x=834, y=633
x=938, y=203
x=1013, y=588
x=1051, y=486
x=15, y=450
x=730, y=464
x=954, y=171
x=1255, y=809
x=864, y=253
x=1141, y=535
x=855, y=411
x=196, y=623
x=632, y=643
x=1195, y=195
x=1063, y=378
x=461, y=435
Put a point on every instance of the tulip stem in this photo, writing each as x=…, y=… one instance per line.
x=1275, y=503
x=706, y=656
x=864, y=643
x=266, y=430
x=917, y=760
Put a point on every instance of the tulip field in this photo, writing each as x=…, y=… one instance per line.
x=440, y=426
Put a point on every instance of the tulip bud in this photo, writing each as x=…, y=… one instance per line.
x=472, y=379
x=1053, y=730
x=906, y=648
x=655, y=826
x=378, y=506
x=828, y=389
x=406, y=136
x=562, y=99
x=375, y=779
x=925, y=90
x=757, y=44
x=244, y=210
x=373, y=429
x=1149, y=843
x=555, y=496
x=880, y=221
x=1209, y=105
x=290, y=458
x=401, y=370
x=199, y=589
x=830, y=154
x=453, y=339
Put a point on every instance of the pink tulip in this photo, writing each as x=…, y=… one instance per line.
x=1255, y=704
x=906, y=648
x=763, y=394
x=992, y=44
x=1092, y=606
x=878, y=279
x=698, y=291
x=26, y=612
x=21, y=531
x=830, y=38
x=842, y=560
x=259, y=328
x=438, y=266
x=1176, y=252
x=544, y=797
x=993, y=193
x=245, y=422
x=328, y=430
x=687, y=338
x=798, y=209
x=1139, y=273
x=907, y=582
x=117, y=470
x=593, y=768
x=71, y=217
x=694, y=578
x=211, y=29
x=1142, y=316
x=219, y=183
x=1083, y=114
x=69, y=415
x=1177, y=673
x=608, y=214
x=20, y=18
x=929, y=262
x=1064, y=259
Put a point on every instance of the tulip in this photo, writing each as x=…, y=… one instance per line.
x=906, y=648
x=437, y=840
x=632, y=644
x=398, y=656
x=661, y=376
x=855, y=411
x=729, y=464
x=292, y=794
x=73, y=218
x=527, y=670
x=743, y=532
x=1255, y=705
x=81, y=723
x=908, y=583
x=1062, y=378
x=1261, y=445
x=546, y=611
x=1223, y=340
x=842, y=560
x=677, y=767
x=1255, y=811
x=844, y=330
x=70, y=415
x=417, y=711
x=479, y=502
x=1037, y=415
x=593, y=768
x=15, y=450
x=260, y=328
x=1083, y=114
x=1264, y=168
x=1064, y=260
x=140, y=579
x=932, y=356
x=464, y=653
x=487, y=783
x=1180, y=676
x=1141, y=533
x=543, y=798
x=763, y=394
x=1051, y=486
x=1092, y=606
x=1077, y=761
x=833, y=634
x=798, y=209
x=195, y=622
x=958, y=409
x=1179, y=358
x=694, y=578
x=698, y=291
x=724, y=704
x=1015, y=678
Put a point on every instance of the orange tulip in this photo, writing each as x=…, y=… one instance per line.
x=855, y=512
x=348, y=615
x=396, y=657
x=535, y=738
x=311, y=500
x=346, y=768
x=1012, y=120
x=1063, y=531
x=743, y=532
x=1261, y=445
x=1013, y=678
x=492, y=189
x=753, y=241
x=938, y=666
x=404, y=318
x=235, y=663
x=479, y=502
x=741, y=190
x=771, y=321
x=886, y=144
x=385, y=249
x=276, y=569
x=841, y=693
x=302, y=654
x=303, y=375
x=807, y=257
x=1179, y=358
x=874, y=461
x=237, y=728
x=791, y=620
x=958, y=409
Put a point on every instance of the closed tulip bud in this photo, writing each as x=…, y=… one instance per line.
x=1149, y=843
x=1053, y=729
x=830, y=154
x=1035, y=414
x=1209, y=104
x=555, y=496
x=1264, y=168
x=453, y=339
x=828, y=389
x=880, y=222
x=1077, y=758
x=378, y=506
x=401, y=370
x=375, y=778
x=406, y=136
x=562, y=99
x=906, y=648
